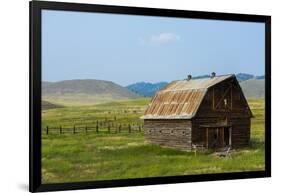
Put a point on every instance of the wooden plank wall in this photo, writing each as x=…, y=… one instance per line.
x=213, y=106
x=240, y=132
x=169, y=133
x=236, y=114
x=199, y=134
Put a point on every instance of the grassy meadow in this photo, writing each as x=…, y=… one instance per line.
x=105, y=156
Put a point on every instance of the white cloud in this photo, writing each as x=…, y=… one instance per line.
x=162, y=38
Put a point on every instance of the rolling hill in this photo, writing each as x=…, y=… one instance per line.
x=253, y=88
x=91, y=91
x=88, y=91
x=47, y=105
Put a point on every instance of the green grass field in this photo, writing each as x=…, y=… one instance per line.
x=103, y=156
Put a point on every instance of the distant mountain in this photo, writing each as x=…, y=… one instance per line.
x=260, y=77
x=149, y=89
x=145, y=88
x=243, y=76
x=88, y=91
x=253, y=88
x=240, y=76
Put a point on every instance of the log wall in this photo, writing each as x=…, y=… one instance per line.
x=169, y=133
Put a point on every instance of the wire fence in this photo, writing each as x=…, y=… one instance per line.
x=109, y=128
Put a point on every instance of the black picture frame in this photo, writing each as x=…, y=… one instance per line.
x=35, y=94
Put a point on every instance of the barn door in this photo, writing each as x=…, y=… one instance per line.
x=218, y=137
x=226, y=136
x=215, y=137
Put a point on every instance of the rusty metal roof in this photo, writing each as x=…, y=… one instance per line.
x=180, y=99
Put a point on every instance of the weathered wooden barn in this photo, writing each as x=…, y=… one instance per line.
x=209, y=112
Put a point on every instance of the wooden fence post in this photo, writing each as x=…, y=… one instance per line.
x=139, y=128
x=60, y=129
x=119, y=129
x=47, y=130
x=86, y=129
x=74, y=129
x=97, y=128
x=129, y=128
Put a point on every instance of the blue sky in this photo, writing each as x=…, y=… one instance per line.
x=126, y=49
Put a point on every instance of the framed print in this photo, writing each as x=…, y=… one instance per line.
x=126, y=96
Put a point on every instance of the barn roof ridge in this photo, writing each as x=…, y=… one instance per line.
x=195, y=84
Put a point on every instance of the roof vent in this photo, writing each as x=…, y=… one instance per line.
x=189, y=77
x=213, y=74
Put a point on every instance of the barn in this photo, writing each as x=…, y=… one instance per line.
x=209, y=112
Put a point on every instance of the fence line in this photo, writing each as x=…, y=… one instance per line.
x=117, y=128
